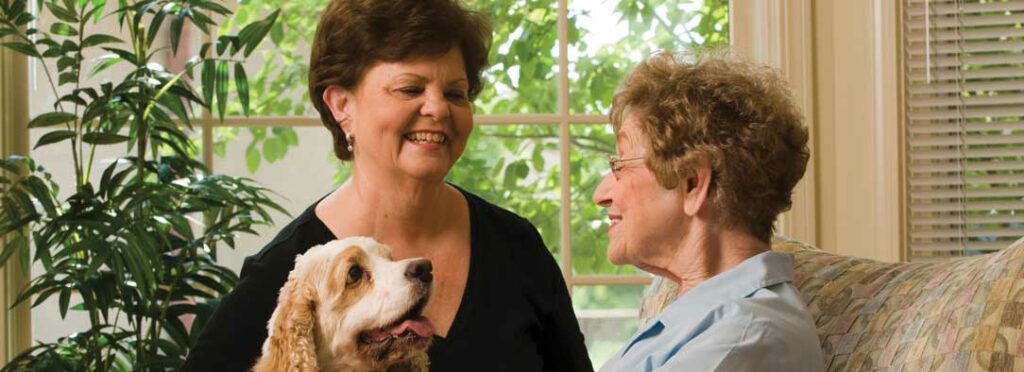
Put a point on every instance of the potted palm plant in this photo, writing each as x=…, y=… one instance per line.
x=134, y=244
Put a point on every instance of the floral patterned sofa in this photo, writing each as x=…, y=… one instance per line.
x=965, y=314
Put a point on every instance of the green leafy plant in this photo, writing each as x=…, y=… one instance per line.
x=134, y=246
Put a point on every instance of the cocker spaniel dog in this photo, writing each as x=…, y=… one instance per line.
x=347, y=306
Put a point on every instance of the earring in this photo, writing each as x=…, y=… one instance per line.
x=348, y=138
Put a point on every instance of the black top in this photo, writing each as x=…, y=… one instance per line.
x=515, y=313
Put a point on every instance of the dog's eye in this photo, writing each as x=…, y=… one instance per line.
x=355, y=273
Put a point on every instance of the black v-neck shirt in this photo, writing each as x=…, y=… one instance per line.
x=515, y=313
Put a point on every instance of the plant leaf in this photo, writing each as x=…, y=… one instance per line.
x=50, y=119
x=155, y=23
x=97, y=39
x=65, y=62
x=54, y=137
x=100, y=138
x=252, y=157
x=22, y=48
x=62, y=13
x=64, y=301
x=177, y=22
x=63, y=29
x=15, y=244
x=262, y=28
x=23, y=19
x=42, y=192
x=274, y=149
x=124, y=54
x=105, y=62
x=242, y=85
x=67, y=78
x=15, y=7
x=209, y=78
x=288, y=134
x=222, y=89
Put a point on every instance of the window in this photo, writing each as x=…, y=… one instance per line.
x=963, y=88
x=541, y=136
x=541, y=132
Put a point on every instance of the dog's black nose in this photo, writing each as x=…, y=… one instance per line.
x=420, y=270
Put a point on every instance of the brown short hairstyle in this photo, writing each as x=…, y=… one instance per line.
x=737, y=115
x=353, y=35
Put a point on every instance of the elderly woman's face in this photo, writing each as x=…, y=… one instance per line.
x=646, y=218
x=412, y=117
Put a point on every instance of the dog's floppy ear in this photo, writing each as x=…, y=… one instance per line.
x=290, y=346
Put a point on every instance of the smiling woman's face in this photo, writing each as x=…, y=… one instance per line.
x=646, y=218
x=410, y=118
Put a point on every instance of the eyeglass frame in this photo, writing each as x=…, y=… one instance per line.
x=614, y=163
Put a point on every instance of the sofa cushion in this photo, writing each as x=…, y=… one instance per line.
x=961, y=314
x=957, y=315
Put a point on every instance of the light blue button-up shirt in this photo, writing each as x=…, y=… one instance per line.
x=748, y=318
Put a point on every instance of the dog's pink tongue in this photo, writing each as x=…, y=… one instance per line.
x=419, y=325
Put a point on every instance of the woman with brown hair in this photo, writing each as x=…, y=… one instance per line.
x=394, y=83
x=708, y=154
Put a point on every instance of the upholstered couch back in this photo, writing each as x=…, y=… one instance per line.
x=965, y=314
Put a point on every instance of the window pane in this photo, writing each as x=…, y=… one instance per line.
x=313, y=163
x=523, y=77
x=591, y=145
x=608, y=317
x=278, y=70
x=517, y=168
x=607, y=40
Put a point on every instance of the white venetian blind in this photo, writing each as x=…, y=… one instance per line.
x=964, y=107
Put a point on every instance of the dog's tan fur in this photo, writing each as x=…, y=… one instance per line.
x=291, y=347
x=297, y=342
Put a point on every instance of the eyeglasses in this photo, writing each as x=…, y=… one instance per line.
x=615, y=163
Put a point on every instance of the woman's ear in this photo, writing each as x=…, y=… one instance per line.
x=290, y=345
x=340, y=101
x=696, y=187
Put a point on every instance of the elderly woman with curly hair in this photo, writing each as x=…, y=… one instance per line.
x=394, y=83
x=708, y=155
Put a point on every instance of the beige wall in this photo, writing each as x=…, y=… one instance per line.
x=857, y=108
x=15, y=325
x=841, y=58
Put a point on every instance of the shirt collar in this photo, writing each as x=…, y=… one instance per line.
x=762, y=270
